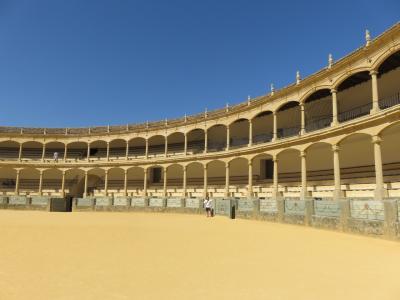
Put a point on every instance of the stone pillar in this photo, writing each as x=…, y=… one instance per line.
x=334, y=108
x=125, y=183
x=250, y=183
x=20, y=152
x=63, y=184
x=86, y=185
x=184, y=181
x=147, y=149
x=337, y=193
x=275, y=127
x=205, y=140
x=275, y=192
x=303, y=193
x=375, y=91
x=380, y=191
x=303, y=120
x=17, y=183
x=127, y=150
x=108, y=151
x=88, y=151
x=309, y=212
x=185, y=145
x=40, y=181
x=345, y=214
x=106, y=182
x=250, y=132
x=280, y=205
x=227, y=179
x=205, y=182
x=65, y=152
x=166, y=147
x=228, y=137
x=165, y=182
x=145, y=183
x=43, y=152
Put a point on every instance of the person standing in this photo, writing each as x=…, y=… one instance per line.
x=208, y=206
x=55, y=156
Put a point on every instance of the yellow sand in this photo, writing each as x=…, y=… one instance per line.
x=170, y=256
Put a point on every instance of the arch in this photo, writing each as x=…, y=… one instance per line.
x=116, y=176
x=216, y=173
x=238, y=173
x=262, y=127
x=317, y=144
x=289, y=169
x=388, y=127
x=74, y=182
x=117, y=149
x=312, y=91
x=29, y=181
x=98, y=149
x=319, y=165
x=352, y=136
x=137, y=147
x=195, y=140
x=287, y=105
x=8, y=177
x=390, y=149
x=176, y=143
x=347, y=75
x=239, y=133
x=32, y=150
x=77, y=150
x=156, y=145
x=174, y=179
x=238, y=120
x=52, y=181
x=288, y=118
x=318, y=109
x=216, y=138
x=384, y=56
x=261, y=114
x=9, y=150
x=135, y=181
x=54, y=147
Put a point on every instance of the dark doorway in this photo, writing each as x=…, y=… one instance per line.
x=61, y=204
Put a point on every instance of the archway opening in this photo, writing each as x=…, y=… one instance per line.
x=195, y=179
x=388, y=81
x=288, y=120
x=318, y=110
x=263, y=127
x=98, y=150
x=76, y=151
x=263, y=172
x=32, y=151
x=176, y=143
x=216, y=178
x=9, y=150
x=195, y=141
x=8, y=177
x=54, y=151
x=29, y=181
x=239, y=133
x=289, y=173
x=135, y=184
x=216, y=138
x=51, y=184
x=117, y=149
x=354, y=97
x=238, y=177
x=137, y=147
x=175, y=180
x=74, y=183
x=157, y=145
x=390, y=159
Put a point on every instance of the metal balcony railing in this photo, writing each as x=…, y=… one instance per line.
x=389, y=101
x=316, y=124
x=262, y=138
x=288, y=132
x=355, y=113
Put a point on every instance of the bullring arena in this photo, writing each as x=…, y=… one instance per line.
x=323, y=152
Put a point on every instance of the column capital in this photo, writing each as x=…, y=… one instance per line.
x=335, y=148
x=205, y=167
x=303, y=153
x=250, y=163
x=373, y=72
x=125, y=171
x=106, y=171
x=376, y=139
x=333, y=91
x=275, y=159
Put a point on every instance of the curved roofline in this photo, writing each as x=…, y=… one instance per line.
x=207, y=115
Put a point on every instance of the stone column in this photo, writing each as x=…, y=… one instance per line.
x=65, y=152
x=380, y=191
x=40, y=181
x=125, y=183
x=185, y=145
x=250, y=132
x=145, y=183
x=165, y=182
x=20, y=152
x=63, y=184
x=108, y=151
x=303, y=193
x=227, y=179
x=147, y=149
x=127, y=150
x=43, y=152
x=184, y=181
x=336, y=173
x=334, y=108
x=17, y=183
x=250, y=178
x=303, y=120
x=375, y=91
x=228, y=136
x=275, y=192
x=205, y=182
x=88, y=151
x=106, y=182
x=275, y=127
x=205, y=140
x=86, y=185
x=166, y=147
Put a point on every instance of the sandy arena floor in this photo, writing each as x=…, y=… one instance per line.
x=167, y=256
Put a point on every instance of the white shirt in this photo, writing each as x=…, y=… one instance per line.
x=208, y=203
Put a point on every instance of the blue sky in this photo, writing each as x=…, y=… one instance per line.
x=85, y=63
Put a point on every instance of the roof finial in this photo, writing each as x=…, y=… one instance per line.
x=205, y=113
x=185, y=118
x=166, y=122
x=298, y=78
x=367, y=37
x=272, y=89
x=147, y=124
x=227, y=107
x=248, y=100
x=330, y=61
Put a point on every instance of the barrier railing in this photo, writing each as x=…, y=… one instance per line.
x=316, y=124
x=355, y=113
x=389, y=101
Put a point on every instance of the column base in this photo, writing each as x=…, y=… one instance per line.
x=334, y=123
x=380, y=194
x=338, y=194
x=374, y=110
